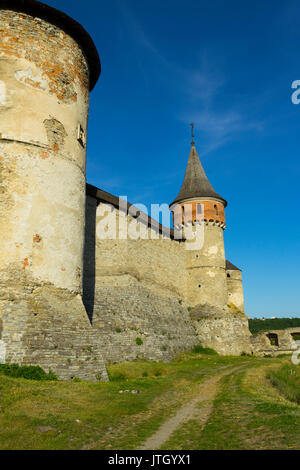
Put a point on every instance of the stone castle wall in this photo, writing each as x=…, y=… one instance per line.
x=138, y=292
x=46, y=326
x=274, y=342
x=144, y=288
x=222, y=329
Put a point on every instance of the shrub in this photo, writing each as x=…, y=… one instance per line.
x=26, y=372
x=157, y=373
x=118, y=330
x=117, y=377
x=145, y=374
x=199, y=349
x=257, y=325
x=138, y=341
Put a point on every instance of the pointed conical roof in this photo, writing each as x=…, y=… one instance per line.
x=195, y=182
x=231, y=267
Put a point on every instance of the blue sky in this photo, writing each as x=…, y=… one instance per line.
x=228, y=66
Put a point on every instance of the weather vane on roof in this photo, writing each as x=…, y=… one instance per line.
x=192, y=126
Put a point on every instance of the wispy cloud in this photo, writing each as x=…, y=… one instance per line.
x=140, y=39
x=204, y=86
x=219, y=127
x=200, y=88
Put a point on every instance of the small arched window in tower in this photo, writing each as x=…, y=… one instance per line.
x=199, y=209
x=199, y=285
x=216, y=210
x=228, y=275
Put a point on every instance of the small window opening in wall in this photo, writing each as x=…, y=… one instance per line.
x=216, y=210
x=199, y=209
x=273, y=338
x=228, y=275
x=81, y=136
x=197, y=256
x=199, y=285
x=296, y=336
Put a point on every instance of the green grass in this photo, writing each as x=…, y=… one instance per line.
x=83, y=415
x=95, y=415
x=287, y=381
x=247, y=414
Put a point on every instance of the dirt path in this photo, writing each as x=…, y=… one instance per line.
x=207, y=393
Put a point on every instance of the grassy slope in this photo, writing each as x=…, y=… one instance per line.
x=97, y=416
x=287, y=381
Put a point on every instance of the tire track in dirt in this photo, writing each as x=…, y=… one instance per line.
x=207, y=393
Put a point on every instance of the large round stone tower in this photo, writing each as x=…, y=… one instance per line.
x=198, y=204
x=48, y=65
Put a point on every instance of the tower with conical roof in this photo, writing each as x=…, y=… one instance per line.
x=198, y=204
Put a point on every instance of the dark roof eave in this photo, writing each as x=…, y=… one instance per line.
x=67, y=24
x=104, y=196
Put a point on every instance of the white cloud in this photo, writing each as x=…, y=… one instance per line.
x=218, y=127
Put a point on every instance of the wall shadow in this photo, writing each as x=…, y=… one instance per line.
x=89, y=257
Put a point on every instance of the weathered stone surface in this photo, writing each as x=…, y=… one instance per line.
x=41, y=160
x=235, y=288
x=126, y=309
x=223, y=329
x=205, y=274
x=48, y=326
x=44, y=83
